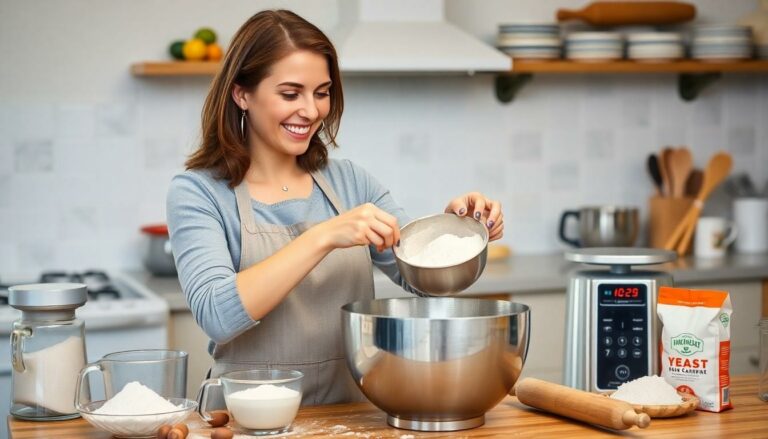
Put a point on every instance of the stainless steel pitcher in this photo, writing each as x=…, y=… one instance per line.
x=603, y=226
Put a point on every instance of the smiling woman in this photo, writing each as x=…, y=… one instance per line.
x=269, y=235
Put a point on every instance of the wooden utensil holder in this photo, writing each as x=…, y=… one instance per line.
x=665, y=214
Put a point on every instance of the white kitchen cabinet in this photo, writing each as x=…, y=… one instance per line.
x=186, y=335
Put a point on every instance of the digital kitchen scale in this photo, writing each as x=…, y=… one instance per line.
x=611, y=329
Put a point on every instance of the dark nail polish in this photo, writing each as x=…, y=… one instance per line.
x=490, y=223
x=462, y=211
x=398, y=243
x=477, y=215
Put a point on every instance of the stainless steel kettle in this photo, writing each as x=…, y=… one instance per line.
x=603, y=226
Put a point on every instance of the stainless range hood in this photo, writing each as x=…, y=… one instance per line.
x=408, y=37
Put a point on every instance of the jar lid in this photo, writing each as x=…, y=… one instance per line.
x=47, y=297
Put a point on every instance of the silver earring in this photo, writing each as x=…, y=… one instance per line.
x=242, y=124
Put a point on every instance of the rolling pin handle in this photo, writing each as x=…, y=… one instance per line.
x=631, y=418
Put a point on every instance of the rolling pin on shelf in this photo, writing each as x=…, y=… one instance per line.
x=580, y=405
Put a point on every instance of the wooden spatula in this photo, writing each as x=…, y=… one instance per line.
x=693, y=184
x=679, y=166
x=666, y=184
x=717, y=170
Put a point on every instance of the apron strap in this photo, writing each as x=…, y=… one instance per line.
x=324, y=186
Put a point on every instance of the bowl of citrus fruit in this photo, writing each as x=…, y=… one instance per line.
x=202, y=46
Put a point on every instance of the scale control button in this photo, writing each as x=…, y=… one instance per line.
x=608, y=341
x=637, y=353
x=621, y=353
x=622, y=340
x=607, y=320
x=637, y=341
x=622, y=372
x=638, y=320
x=607, y=352
x=607, y=329
x=637, y=328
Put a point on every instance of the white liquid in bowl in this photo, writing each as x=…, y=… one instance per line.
x=264, y=407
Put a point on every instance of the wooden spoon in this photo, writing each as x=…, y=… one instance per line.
x=680, y=164
x=693, y=184
x=717, y=170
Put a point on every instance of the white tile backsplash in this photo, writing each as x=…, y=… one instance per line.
x=86, y=159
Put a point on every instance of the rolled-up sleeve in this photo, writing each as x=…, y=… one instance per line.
x=204, y=264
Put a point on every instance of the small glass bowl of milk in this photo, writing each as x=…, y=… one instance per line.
x=260, y=401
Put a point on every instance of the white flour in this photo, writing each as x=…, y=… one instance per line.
x=652, y=390
x=50, y=376
x=136, y=399
x=444, y=250
x=265, y=407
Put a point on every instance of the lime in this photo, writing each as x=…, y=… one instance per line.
x=206, y=34
x=194, y=49
x=177, y=49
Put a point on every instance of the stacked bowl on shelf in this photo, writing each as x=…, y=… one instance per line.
x=594, y=46
x=530, y=40
x=655, y=46
x=721, y=42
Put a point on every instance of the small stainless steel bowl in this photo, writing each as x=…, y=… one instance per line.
x=435, y=364
x=445, y=280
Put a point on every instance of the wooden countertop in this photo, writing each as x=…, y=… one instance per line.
x=749, y=418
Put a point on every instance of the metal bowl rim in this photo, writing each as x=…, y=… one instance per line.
x=523, y=309
x=396, y=250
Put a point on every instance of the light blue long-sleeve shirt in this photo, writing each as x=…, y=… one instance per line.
x=204, y=228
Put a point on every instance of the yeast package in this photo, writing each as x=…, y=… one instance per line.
x=696, y=344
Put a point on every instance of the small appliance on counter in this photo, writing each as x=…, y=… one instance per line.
x=611, y=329
x=602, y=226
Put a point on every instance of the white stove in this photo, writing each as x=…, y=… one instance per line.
x=120, y=314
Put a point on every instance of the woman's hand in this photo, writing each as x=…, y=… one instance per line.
x=363, y=225
x=477, y=206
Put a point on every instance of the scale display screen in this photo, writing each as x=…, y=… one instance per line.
x=622, y=294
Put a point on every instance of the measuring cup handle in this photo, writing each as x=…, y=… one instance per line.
x=202, y=397
x=82, y=381
x=733, y=233
x=17, y=348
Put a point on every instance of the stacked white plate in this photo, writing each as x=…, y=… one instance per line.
x=655, y=46
x=594, y=46
x=530, y=40
x=722, y=42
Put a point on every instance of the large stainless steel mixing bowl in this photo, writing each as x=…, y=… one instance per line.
x=444, y=280
x=435, y=364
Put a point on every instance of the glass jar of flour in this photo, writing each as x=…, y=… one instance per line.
x=47, y=350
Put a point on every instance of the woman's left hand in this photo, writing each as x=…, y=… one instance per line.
x=485, y=210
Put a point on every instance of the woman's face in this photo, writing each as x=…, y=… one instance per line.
x=286, y=108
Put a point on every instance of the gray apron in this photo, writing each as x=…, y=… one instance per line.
x=304, y=331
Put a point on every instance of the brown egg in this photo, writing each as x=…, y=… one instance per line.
x=162, y=432
x=218, y=419
x=183, y=428
x=175, y=433
x=222, y=433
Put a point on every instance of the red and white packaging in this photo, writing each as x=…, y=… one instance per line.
x=696, y=344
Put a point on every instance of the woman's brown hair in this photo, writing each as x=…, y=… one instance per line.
x=263, y=40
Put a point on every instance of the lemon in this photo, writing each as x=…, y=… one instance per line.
x=214, y=52
x=206, y=34
x=194, y=49
x=177, y=49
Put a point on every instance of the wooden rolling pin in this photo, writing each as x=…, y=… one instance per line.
x=580, y=405
x=623, y=13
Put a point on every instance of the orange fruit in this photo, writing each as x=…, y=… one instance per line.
x=214, y=52
x=194, y=49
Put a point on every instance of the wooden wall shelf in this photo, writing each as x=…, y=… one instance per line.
x=693, y=75
x=175, y=68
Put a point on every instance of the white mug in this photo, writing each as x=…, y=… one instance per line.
x=751, y=217
x=713, y=236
